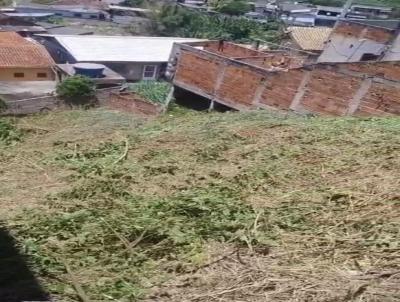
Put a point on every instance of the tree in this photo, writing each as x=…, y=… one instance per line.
x=231, y=7
x=172, y=20
x=77, y=90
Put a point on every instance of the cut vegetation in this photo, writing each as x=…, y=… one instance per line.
x=205, y=207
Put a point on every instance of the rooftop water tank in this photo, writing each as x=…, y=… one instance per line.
x=89, y=70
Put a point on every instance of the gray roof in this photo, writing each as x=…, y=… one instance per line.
x=330, y=8
x=291, y=7
x=387, y=24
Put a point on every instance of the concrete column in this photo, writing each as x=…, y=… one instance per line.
x=359, y=95
x=258, y=94
x=219, y=81
x=169, y=98
x=300, y=91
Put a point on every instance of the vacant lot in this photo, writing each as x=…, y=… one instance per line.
x=205, y=207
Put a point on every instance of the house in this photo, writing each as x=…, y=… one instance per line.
x=135, y=58
x=193, y=2
x=311, y=39
x=297, y=14
x=24, y=31
x=6, y=20
x=68, y=11
x=24, y=60
x=353, y=41
x=327, y=15
x=299, y=19
x=372, y=12
x=212, y=74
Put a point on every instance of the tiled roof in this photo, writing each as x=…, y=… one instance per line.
x=310, y=38
x=16, y=51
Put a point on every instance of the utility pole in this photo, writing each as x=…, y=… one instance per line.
x=346, y=8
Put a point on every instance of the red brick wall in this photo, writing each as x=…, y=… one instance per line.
x=329, y=92
x=281, y=87
x=198, y=71
x=390, y=71
x=381, y=99
x=348, y=29
x=380, y=35
x=239, y=85
x=275, y=60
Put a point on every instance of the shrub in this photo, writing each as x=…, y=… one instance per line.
x=77, y=90
x=3, y=105
x=153, y=91
x=8, y=133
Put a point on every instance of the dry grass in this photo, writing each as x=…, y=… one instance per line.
x=325, y=224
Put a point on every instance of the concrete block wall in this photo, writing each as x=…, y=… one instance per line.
x=328, y=89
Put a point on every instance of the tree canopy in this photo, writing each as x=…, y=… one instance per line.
x=231, y=7
x=176, y=21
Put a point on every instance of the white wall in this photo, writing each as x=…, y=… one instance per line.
x=393, y=53
x=349, y=49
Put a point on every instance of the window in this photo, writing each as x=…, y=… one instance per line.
x=78, y=15
x=19, y=75
x=149, y=72
x=41, y=75
x=93, y=16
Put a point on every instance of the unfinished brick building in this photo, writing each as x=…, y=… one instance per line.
x=352, y=41
x=246, y=79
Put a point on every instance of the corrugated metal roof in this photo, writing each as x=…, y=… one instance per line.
x=16, y=51
x=119, y=48
x=310, y=38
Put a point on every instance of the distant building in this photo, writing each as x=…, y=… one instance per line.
x=193, y=2
x=69, y=11
x=299, y=19
x=135, y=58
x=372, y=12
x=297, y=14
x=23, y=60
x=327, y=16
x=353, y=41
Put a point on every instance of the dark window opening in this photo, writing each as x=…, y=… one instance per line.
x=42, y=75
x=93, y=16
x=19, y=75
x=369, y=57
x=78, y=15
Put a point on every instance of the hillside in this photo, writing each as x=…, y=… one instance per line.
x=204, y=207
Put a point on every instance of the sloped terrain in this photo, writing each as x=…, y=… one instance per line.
x=205, y=207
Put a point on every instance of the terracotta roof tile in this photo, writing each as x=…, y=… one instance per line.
x=16, y=51
x=310, y=38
